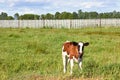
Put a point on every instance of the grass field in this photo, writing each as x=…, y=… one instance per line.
x=35, y=54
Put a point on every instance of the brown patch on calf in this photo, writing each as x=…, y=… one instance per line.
x=72, y=49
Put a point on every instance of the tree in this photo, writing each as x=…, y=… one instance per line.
x=114, y=14
x=117, y=15
x=80, y=14
x=49, y=16
x=3, y=16
x=66, y=15
x=29, y=17
x=93, y=15
x=10, y=18
x=16, y=16
x=36, y=17
x=86, y=15
x=42, y=16
x=57, y=15
x=74, y=15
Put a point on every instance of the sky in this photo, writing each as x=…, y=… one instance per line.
x=52, y=6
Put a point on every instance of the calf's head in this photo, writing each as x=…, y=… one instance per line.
x=81, y=46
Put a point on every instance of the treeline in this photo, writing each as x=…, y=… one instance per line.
x=4, y=16
x=63, y=15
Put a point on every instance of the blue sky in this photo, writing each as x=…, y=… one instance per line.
x=51, y=6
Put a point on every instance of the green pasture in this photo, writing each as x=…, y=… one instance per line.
x=35, y=54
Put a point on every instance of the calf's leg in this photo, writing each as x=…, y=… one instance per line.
x=80, y=63
x=71, y=65
x=64, y=57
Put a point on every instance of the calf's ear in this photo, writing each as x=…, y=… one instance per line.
x=86, y=44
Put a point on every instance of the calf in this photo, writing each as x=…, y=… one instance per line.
x=73, y=51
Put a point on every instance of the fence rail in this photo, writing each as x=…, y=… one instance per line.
x=73, y=23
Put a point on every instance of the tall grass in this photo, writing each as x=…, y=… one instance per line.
x=29, y=54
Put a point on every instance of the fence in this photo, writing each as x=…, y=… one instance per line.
x=73, y=23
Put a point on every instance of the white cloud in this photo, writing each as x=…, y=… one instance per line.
x=1, y=1
x=9, y=3
x=52, y=6
x=92, y=4
x=28, y=11
x=32, y=0
x=75, y=4
x=2, y=10
x=38, y=1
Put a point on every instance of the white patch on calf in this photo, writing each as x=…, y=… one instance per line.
x=81, y=46
x=64, y=56
x=76, y=60
x=80, y=65
x=71, y=65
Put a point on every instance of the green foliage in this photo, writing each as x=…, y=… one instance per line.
x=29, y=17
x=4, y=16
x=57, y=15
x=49, y=16
x=30, y=54
x=63, y=15
x=75, y=15
x=10, y=18
x=16, y=16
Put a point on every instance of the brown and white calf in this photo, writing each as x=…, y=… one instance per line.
x=73, y=51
